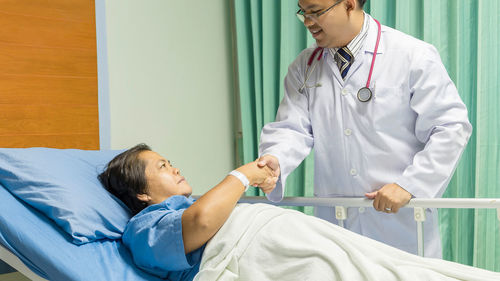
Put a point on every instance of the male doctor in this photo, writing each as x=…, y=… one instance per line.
x=401, y=139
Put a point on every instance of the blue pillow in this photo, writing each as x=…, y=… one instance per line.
x=63, y=185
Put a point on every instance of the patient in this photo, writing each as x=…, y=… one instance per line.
x=159, y=197
x=174, y=237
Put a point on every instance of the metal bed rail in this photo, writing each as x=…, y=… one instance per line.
x=419, y=206
x=16, y=263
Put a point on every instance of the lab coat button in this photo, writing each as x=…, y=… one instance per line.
x=354, y=172
x=361, y=210
x=344, y=92
x=347, y=132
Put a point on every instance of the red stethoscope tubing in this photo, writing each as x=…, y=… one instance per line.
x=311, y=58
x=374, y=53
x=320, y=50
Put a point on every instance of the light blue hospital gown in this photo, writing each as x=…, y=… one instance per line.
x=154, y=236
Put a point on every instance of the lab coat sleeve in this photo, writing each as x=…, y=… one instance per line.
x=290, y=137
x=441, y=123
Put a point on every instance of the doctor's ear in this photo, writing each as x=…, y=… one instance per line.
x=350, y=5
x=143, y=197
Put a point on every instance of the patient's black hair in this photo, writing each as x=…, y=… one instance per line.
x=125, y=177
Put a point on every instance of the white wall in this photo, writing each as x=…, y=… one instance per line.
x=170, y=83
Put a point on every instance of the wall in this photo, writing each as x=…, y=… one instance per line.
x=170, y=83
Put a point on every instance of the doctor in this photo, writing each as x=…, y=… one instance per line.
x=383, y=116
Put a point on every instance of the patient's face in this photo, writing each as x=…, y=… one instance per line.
x=163, y=179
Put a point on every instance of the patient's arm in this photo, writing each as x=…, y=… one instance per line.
x=206, y=216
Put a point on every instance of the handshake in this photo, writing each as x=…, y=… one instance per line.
x=262, y=173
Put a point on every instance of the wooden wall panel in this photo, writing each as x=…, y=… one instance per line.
x=82, y=141
x=48, y=74
x=49, y=31
x=69, y=10
x=47, y=61
x=47, y=90
x=46, y=119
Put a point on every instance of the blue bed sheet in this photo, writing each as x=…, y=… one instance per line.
x=48, y=251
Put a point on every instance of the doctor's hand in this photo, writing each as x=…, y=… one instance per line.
x=272, y=162
x=389, y=198
x=255, y=174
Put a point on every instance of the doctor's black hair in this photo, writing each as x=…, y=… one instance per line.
x=125, y=177
x=361, y=3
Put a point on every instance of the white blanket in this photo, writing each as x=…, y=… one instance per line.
x=262, y=242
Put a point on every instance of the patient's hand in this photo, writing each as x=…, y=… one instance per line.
x=255, y=174
x=270, y=182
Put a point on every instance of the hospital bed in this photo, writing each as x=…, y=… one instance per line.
x=39, y=248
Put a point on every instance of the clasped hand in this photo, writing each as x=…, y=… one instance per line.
x=269, y=183
x=260, y=175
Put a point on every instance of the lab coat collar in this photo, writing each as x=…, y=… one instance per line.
x=371, y=38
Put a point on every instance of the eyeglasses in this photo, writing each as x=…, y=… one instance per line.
x=301, y=14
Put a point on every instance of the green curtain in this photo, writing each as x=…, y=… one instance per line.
x=268, y=37
x=466, y=34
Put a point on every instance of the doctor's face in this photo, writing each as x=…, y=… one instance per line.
x=163, y=180
x=333, y=28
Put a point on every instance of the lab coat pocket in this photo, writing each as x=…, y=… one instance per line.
x=389, y=108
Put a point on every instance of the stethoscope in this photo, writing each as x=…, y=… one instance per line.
x=364, y=94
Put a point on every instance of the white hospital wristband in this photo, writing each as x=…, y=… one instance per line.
x=244, y=180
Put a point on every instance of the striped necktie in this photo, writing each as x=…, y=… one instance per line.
x=344, y=58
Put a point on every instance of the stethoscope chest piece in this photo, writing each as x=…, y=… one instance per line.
x=364, y=94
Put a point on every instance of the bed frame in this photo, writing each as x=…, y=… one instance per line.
x=9, y=258
x=341, y=205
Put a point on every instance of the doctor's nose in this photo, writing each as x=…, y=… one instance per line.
x=308, y=22
x=177, y=171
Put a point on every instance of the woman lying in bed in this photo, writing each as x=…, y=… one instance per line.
x=159, y=197
x=168, y=235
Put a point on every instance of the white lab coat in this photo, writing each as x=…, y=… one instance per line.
x=412, y=133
